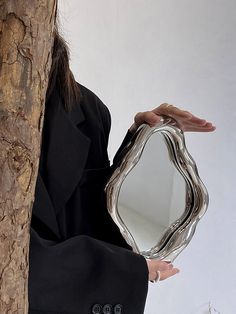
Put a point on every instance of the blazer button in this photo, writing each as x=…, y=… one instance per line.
x=107, y=309
x=118, y=309
x=97, y=309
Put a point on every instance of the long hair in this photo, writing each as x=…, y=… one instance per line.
x=60, y=75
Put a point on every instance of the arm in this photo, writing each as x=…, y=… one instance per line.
x=77, y=273
x=76, y=257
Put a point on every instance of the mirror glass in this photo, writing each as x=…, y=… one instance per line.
x=153, y=194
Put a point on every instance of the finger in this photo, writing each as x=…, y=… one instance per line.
x=155, y=265
x=197, y=120
x=177, y=113
x=162, y=266
x=194, y=128
x=194, y=120
x=168, y=273
x=148, y=117
x=172, y=111
x=200, y=123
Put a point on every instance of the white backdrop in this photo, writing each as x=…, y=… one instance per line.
x=137, y=54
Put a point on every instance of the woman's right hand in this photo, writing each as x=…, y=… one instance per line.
x=166, y=269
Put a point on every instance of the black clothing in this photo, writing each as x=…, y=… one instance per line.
x=79, y=261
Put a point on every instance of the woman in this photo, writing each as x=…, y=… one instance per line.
x=79, y=262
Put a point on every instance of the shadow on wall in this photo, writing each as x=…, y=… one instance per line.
x=207, y=308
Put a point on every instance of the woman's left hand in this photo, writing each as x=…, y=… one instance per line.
x=186, y=120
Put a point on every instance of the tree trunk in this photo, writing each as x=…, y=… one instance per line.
x=26, y=39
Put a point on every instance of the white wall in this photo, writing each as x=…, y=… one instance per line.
x=137, y=54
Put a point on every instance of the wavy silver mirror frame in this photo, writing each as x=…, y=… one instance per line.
x=181, y=231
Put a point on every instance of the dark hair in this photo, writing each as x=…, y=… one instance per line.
x=60, y=75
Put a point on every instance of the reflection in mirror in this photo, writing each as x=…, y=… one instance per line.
x=152, y=196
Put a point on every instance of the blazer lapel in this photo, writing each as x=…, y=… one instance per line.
x=63, y=157
x=67, y=152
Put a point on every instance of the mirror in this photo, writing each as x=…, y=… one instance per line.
x=152, y=196
x=155, y=195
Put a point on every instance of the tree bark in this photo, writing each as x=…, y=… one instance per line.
x=26, y=28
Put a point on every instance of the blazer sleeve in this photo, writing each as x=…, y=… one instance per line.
x=83, y=275
x=122, y=149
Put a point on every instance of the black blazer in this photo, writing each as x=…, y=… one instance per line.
x=79, y=262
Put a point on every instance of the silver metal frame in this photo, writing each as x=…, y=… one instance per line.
x=179, y=234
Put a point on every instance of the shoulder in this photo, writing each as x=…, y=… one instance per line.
x=89, y=98
x=93, y=105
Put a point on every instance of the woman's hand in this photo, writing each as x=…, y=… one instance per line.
x=187, y=121
x=166, y=269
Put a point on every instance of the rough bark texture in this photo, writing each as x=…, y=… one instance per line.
x=25, y=58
